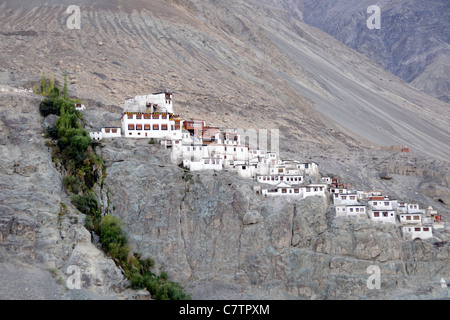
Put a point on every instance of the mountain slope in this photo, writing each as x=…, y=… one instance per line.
x=413, y=42
x=237, y=64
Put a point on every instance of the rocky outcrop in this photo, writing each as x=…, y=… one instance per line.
x=213, y=234
x=40, y=231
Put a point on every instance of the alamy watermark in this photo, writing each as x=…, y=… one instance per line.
x=74, y=280
x=74, y=21
x=374, y=21
x=374, y=281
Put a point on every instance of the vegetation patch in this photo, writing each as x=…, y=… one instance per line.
x=72, y=150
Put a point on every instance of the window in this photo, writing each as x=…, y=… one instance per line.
x=164, y=127
x=206, y=161
x=356, y=209
x=352, y=197
x=306, y=166
x=344, y=197
x=139, y=127
x=284, y=190
x=416, y=218
x=129, y=116
x=308, y=189
x=375, y=203
x=417, y=229
x=139, y=116
x=164, y=116
x=156, y=127
x=114, y=130
x=147, y=127
x=386, y=204
x=351, y=209
x=155, y=116
x=426, y=229
x=296, y=191
x=280, y=170
x=385, y=214
x=376, y=214
x=131, y=127
x=408, y=218
x=147, y=116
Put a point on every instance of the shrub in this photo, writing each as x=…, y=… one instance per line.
x=48, y=107
x=72, y=184
x=111, y=231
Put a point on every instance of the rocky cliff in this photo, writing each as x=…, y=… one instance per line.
x=41, y=233
x=222, y=241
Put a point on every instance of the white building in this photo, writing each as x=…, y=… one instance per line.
x=346, y=199
x=80, y=107
x=410, y=218
x=382, y=203
x=152, y=103
x=215, y=164
x=387, y=216
x=417, y=232
x=351, y=211
x=274, y=180
x=414, y=208
x=96, y=136
x=152, y=125
x=302, y=192
x=338, y=190
x=111, y=132
x=326, y=180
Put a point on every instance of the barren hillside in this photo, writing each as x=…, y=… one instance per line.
x=236, y=64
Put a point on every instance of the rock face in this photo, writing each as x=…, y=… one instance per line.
x=213, y=234
x=41, y=233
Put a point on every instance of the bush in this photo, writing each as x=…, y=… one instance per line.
x=72, y=184
x=111, y=231
x=86, y=204
x=48, y=107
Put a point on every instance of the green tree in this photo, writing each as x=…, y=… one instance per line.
x=66, y=93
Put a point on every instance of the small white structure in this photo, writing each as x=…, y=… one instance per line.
x=413, y=208
x=111, y=132
x=80, y=107
x=346, y=199
x=204, y=164
x=387, y=216
x=351, y=211
x=410, y=218
x=153, y=103
x=338, y=190
x=96, y=136
x=417, y=232
x=274, y=180
x=284, y=189
x=380, y=203
x=326, y=180
x=402, y=207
